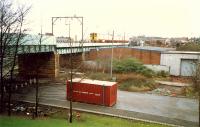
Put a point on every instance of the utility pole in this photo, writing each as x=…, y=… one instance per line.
x=111, y=63
x=124, y=36
x=71, y=75
x=82, y=29
x=71, y=87
x=69, y=30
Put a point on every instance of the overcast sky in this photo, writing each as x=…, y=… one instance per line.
x=166, y=18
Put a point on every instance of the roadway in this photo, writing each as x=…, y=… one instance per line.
x=171, y=110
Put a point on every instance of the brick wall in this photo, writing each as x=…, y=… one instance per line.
x=145, y=56
x=136, y=53
x=155, y=58
x=45, y=64
x=118, y=53
x=64, y=60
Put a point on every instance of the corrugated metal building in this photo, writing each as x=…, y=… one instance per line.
x=181, y=63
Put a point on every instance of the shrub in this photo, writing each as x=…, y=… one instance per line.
x=131, y=65
x=162, y=74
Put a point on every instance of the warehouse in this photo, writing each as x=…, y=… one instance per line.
x=180, y=63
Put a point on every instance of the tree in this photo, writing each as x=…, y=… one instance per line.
x=191, y=46
x=71, y=77
x=11, y=34
x=74, y=48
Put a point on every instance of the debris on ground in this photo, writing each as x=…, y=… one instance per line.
x=161, y=91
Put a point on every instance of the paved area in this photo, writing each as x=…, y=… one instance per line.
x=171, y=110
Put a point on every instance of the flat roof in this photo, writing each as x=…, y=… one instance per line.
x=152, y=48
x=181, y=52
x=94, y=82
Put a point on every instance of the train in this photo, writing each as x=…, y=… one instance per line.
x=94, y=39
x=110, y=41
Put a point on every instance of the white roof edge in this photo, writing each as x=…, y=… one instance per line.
x=94, y=82
x=180, y=52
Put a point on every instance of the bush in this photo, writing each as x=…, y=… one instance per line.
x=162, y=74
x=131, y=65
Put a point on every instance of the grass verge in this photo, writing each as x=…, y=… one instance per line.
x=86, y=120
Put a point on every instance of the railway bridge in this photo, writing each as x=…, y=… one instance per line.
x=47, y=56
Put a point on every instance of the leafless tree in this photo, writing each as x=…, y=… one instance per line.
x=37, y=76
x=73, y=64
x=11, y=35
x=72, y=70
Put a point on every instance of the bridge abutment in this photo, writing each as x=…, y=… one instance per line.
x=45, y=64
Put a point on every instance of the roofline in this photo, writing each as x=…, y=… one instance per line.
x=181, y=52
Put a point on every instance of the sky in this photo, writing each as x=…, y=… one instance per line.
x=164, y=18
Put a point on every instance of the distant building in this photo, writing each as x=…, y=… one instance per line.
x=178, y=41
x=148, y=41
x=63, y=39
x=136, y=41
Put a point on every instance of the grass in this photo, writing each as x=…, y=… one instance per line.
x=86, y=120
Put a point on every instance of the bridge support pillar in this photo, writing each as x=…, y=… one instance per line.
x=45, y=65
x=83, y=56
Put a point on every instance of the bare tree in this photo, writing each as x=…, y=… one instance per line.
x=73, y=69
x=11, y=36
x=37, y=80
x=74, y=48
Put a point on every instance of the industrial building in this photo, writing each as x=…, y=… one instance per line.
x=181, y=63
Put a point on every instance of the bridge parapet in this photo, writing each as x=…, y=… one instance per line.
x=23, y=49
x=65, y=49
